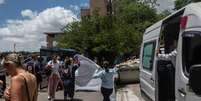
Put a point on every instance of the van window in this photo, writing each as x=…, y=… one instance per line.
x=191, y=48
x=148, y=55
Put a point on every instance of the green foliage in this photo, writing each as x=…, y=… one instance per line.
x=109, y=36
x=180, y=3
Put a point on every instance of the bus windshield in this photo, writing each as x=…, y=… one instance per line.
x=191, y=50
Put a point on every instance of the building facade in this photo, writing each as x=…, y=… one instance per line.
x=102, y=7
x=51, y=38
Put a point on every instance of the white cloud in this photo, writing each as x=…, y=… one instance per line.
x=28, y=13
x=75, y=7
x=28, y=33
x=2, y=2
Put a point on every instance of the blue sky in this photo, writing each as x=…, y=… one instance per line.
x=11, y=9
x=23, y=22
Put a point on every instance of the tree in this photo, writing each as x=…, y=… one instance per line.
x=101, y=38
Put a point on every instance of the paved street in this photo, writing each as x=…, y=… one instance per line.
x=129, y=93
x=79, y=96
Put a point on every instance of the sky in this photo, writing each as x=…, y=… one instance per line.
x=23, y=22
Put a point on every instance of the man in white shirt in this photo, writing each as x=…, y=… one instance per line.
x=169, y=56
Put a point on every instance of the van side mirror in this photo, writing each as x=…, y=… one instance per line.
x=194, y=79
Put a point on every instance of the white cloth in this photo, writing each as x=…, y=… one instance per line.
x=85, y=72
x=55, y=67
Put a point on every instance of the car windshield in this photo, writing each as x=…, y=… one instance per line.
x=191, y=50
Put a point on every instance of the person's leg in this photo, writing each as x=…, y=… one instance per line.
x=71, y=90
x=65, y=84
x=50, y=86
x=39, y=80
x=55, y=84
x=106, y=93
x=4, y=82
x=103, y=93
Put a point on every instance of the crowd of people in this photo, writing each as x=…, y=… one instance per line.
x=26, y=77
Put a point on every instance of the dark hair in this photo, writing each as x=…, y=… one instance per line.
x=106, y=66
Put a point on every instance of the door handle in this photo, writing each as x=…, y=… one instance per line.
x=152, y=79
x=182, y=92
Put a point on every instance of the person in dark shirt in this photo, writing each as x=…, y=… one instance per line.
x=68, y=76
x=33, y=66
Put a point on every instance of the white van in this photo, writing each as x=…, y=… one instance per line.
x=179, y=80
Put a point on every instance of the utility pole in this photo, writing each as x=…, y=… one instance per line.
x=14, y=46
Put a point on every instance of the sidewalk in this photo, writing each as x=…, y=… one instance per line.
x=129, y=93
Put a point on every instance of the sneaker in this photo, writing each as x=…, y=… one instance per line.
x=49, y=98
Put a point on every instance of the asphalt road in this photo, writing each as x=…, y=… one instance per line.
x=130, y=92
x=79, y=96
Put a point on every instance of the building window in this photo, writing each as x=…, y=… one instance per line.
x=148, y=55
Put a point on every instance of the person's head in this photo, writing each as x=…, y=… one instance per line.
x=105, y=64
x=58, y=57
x=34, y=57
x=12, y=62
x=67, y=60
x=71, y=60
x=76, y=60
x=54, y=58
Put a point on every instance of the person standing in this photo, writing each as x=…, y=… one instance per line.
x=68, y=76
x=33, y=66
x=54, y=78
x=23, y=86
x=107, y=76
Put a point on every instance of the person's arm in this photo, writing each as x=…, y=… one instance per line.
x=167, y=56
x=1, y=82
x=7, y=94
x=16, y=93
x=98, y=74
x=49, y=64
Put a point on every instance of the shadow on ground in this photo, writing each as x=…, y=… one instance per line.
x=67, y=100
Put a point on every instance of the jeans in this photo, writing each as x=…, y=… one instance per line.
x=69, y=88
x=106, y=93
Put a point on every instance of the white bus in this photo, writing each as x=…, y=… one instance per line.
x=176, y=79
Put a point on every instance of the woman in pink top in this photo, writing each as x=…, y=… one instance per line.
x=54, y=78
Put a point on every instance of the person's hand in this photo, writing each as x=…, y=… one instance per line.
x=7, y=94
x=49, y=66
x=1, y=82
